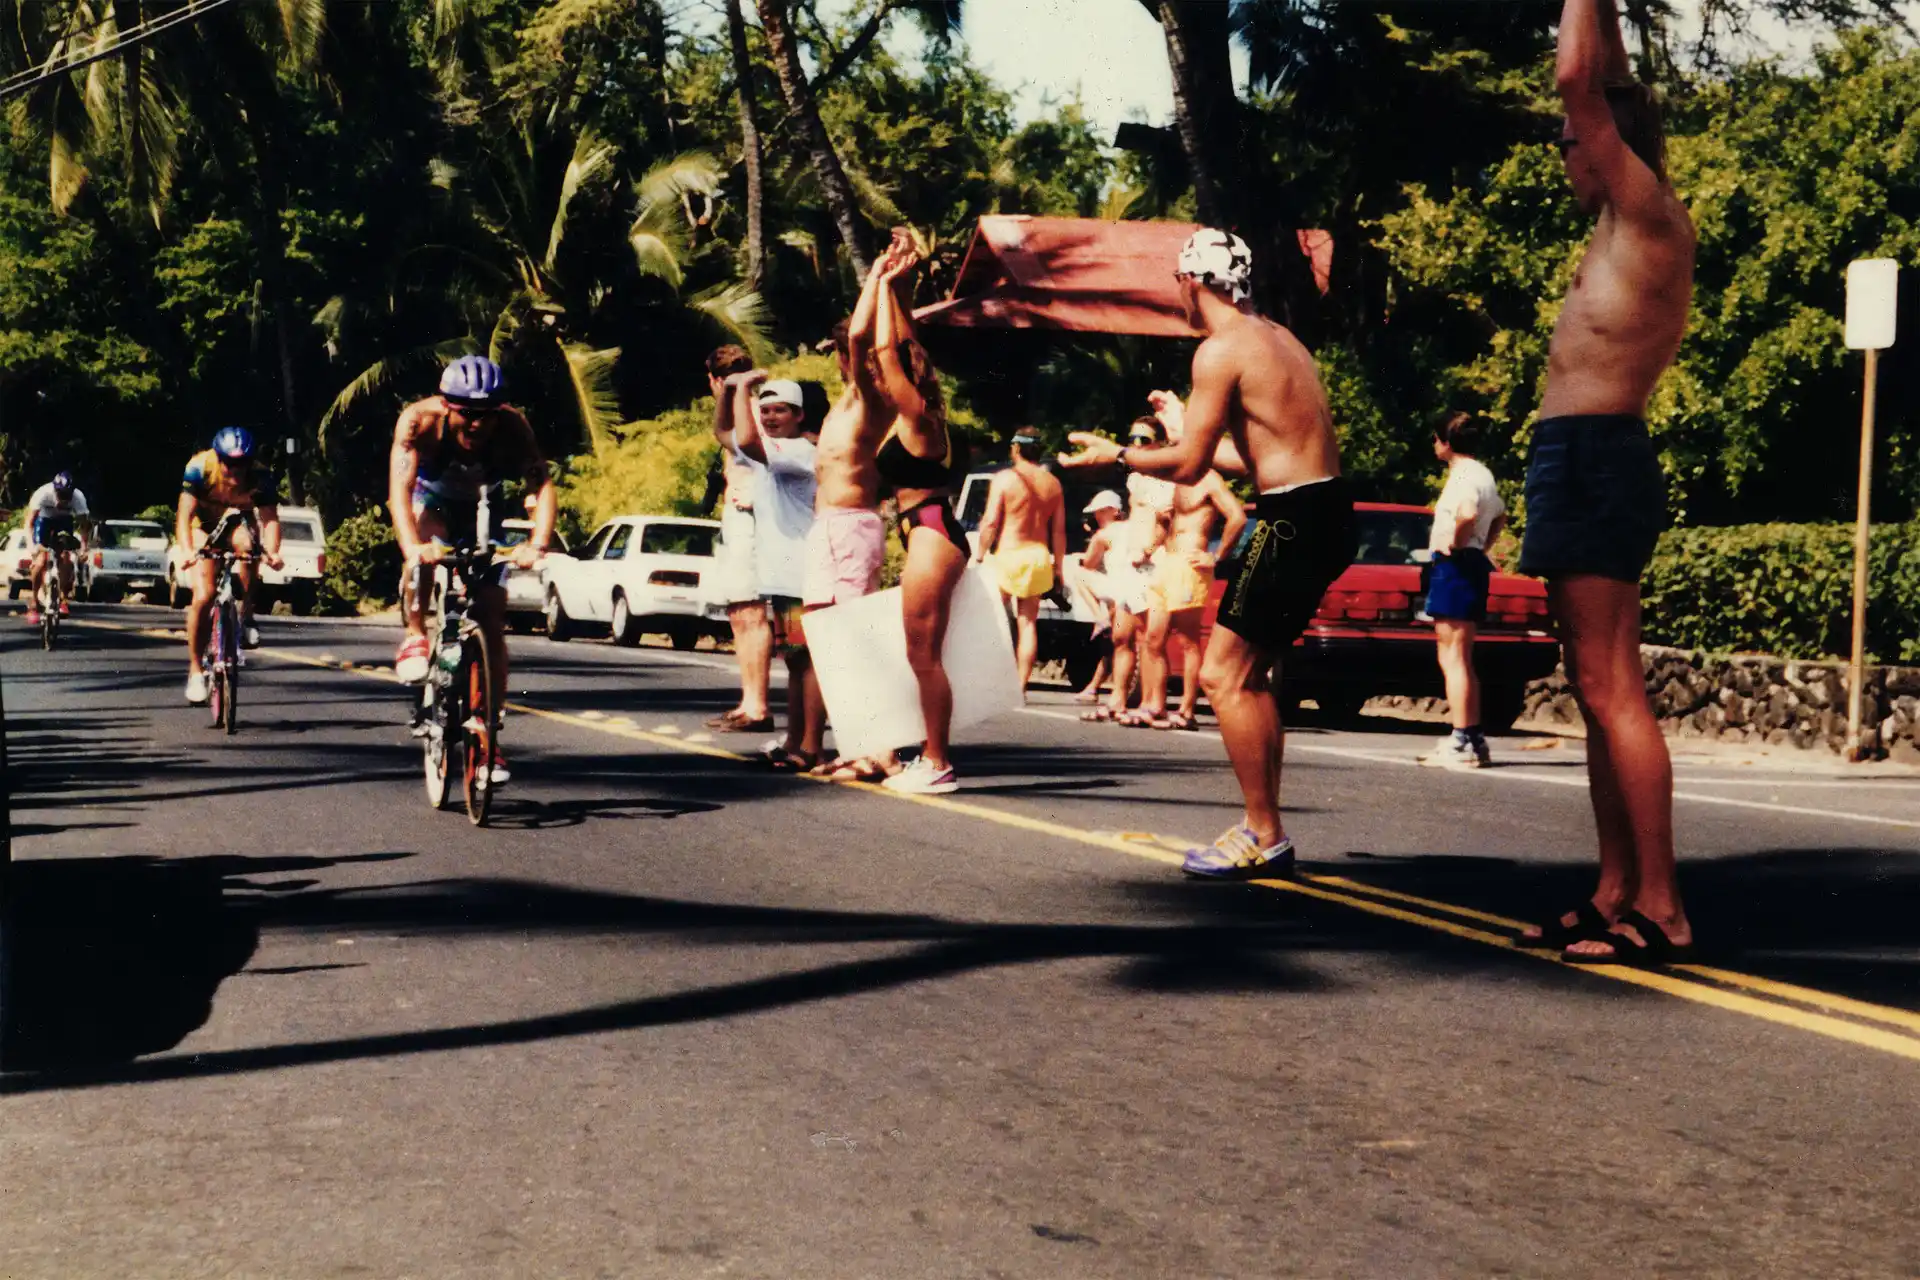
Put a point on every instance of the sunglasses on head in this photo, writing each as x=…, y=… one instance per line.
x=1565, y=145
x=1141, y=439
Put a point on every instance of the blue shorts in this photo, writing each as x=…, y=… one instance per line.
x=1457, y=587
x=54, y=533
x=1596, y=498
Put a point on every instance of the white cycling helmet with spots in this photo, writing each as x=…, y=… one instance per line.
x=1221, y=259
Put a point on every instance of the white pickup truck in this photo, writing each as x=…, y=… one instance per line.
x=303, y=547
x=128, y=555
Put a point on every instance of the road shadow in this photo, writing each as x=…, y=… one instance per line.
x=1840, y=919
x=113, y=958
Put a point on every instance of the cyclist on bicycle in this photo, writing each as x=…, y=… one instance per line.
x=225, y=480
x=448, y=450
x=54, y=513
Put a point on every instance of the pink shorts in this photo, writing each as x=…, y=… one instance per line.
x=845, y=548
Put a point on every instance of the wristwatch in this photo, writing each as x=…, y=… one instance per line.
x=1121, y=458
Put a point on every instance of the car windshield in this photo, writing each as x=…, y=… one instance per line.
x=677, y=540
x=1391, y=537
x=120, y=536
x=298, y=531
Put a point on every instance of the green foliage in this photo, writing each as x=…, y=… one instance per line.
x=1783, y=589
x=363, y=565
x=659, y=466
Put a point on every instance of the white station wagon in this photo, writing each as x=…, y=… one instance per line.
x=637, y=574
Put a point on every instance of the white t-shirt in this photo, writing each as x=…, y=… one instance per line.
x=45, y=502
x=1469, y=484
x=783, y=512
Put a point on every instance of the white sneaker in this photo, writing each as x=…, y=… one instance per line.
x=1451, y=753
x=197, y=688
x=921, y=779
x=249, y=636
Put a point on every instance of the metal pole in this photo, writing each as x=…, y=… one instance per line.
x=1856, y=676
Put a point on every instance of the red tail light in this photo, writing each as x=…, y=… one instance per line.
x=320, y=563
x=1366, y=606
x=99, y=559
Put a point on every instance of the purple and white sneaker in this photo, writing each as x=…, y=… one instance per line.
x=1237, y=855
x=921, y=779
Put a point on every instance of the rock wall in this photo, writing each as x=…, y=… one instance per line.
x=1759, y=699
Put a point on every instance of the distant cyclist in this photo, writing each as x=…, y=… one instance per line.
x=56, y=516
x=226, y=480
x=447, y=451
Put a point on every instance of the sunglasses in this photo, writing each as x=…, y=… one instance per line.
x=1140, y=440
x=1564, y=145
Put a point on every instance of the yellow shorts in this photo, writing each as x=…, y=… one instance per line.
x=1024, y=572
x=1177, y=583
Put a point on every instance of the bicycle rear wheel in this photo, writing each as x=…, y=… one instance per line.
x=49, y=608
x=475, y=681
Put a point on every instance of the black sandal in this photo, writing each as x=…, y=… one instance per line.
x=1554, y=936
x=1655, y=948
x=781, y=760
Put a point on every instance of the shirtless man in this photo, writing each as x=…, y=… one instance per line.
x=1183, y=579
x=1257, y=407
x=1025, y=532
x=1596, y=499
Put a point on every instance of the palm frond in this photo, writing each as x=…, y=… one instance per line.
x=875, y=200
x=595, y=397
x=738, y=310
x=592, y=158
x=303, y=25
x=657, y=255
x=383, y=376
x=662, y=188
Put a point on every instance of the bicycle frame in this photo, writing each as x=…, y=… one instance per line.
x=456, y=711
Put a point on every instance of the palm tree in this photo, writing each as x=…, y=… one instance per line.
x=539, y=296
x=756, y=245
x=804, y=109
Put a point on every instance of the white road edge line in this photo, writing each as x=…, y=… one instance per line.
x=1513, y=775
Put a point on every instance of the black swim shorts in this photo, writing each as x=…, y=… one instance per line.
x=1302, y=540
x=1596, y=498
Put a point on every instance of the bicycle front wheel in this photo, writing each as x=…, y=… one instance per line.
x=440, y=745
x=482, y=721
x=226, y=675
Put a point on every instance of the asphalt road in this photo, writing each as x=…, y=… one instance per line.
x=672, y=1016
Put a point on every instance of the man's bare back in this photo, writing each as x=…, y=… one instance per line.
x=1275, y=408
x=1030, y=500
x=1625, y=314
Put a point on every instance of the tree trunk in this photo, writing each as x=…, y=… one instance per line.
x=847, y=218
x=749, y=147
x=1207, y=118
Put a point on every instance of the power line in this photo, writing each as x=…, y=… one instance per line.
x=129, y=38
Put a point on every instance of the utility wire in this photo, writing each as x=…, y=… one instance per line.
x=83, y=56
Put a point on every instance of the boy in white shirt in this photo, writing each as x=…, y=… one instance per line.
x=1466, y=520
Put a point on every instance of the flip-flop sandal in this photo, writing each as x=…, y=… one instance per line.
x=1135, y=719
x=743, y=726
x=1653, y=950
x=781, y=760
x=858, y=771
x=1086, y=699
x=1099, y=715
x=724, y=721
x=1554, y=936
x=1174, y=720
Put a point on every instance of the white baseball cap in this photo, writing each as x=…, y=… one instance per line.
x=782, y=391
x=1105, y=500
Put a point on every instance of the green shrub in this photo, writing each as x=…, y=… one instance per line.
x=363, y=565
x=1784, y=589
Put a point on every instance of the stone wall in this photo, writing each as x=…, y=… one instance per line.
x=1758, y=699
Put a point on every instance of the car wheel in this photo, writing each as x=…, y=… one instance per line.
x=559, y=625
x=1501, y=705
x=1081, y=664
x=624, y=631
x=13, y=590
x=684, y=637
x=301, y=600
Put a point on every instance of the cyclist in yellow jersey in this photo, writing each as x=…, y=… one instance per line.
x=225, y=479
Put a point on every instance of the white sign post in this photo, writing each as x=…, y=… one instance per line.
x=1872, y=302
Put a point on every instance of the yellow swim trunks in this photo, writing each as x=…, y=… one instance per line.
x=1024, y=572
x=1178, y=583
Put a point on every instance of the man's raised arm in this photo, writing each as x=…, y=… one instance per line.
x=1591, y=62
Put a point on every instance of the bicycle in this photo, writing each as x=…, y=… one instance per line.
x=220, y=655
x=457, y=716
x=52, y=594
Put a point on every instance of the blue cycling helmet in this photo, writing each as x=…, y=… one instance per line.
x=235, y=444
x=473, y=380
x=63, y=483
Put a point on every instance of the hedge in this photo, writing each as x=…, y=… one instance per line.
x=363, y=565
x=1783, y=589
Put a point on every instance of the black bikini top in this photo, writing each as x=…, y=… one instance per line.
x=901, y=469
